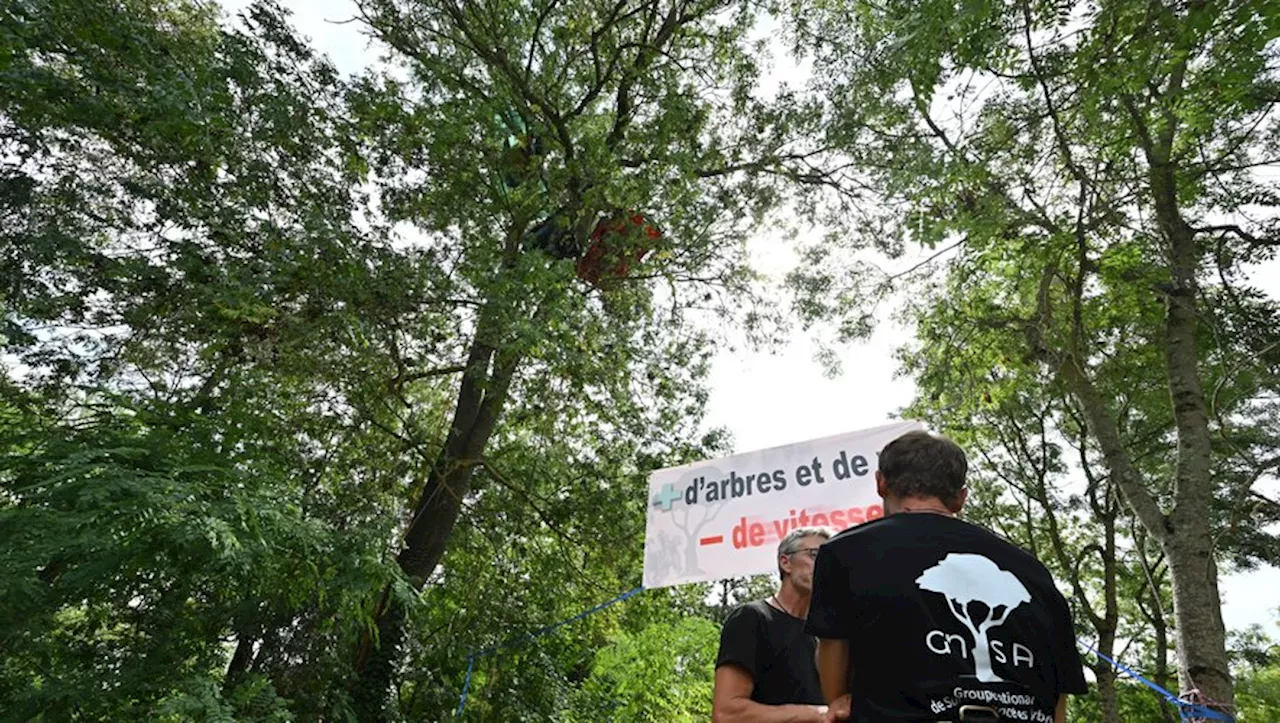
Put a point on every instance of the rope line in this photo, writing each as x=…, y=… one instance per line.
x=1188, y=710
x=519, y=639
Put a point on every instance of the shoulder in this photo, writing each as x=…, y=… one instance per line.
x=870, y=528
x=1012, y=551
x=751, y=613
x=864, y=533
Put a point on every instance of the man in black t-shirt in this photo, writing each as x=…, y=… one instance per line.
x=920, y=614
x=765, y=668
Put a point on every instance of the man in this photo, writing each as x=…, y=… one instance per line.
x=923, y=617
x=765, y=668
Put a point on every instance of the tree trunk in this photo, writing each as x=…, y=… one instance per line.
x=1197, y=607
x=481, y=398
x=1107, y=699
x=1105, y=625
x=1201, y=635
x=240, y=661
x=1111, y=616
x=1184, y=535
x=376, y=665
x=1151, y=606
x=1161, y=630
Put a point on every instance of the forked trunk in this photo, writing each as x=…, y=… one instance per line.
x=481, y=398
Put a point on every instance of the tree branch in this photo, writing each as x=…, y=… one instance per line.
x=1059, y=135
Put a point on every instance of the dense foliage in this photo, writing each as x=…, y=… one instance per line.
x=309, y=409
x=1096, y=179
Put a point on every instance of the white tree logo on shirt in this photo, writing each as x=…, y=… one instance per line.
x=965, y=578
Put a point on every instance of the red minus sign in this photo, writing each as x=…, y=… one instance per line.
x=711, y=540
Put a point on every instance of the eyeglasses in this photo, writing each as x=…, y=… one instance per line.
x=812, y=552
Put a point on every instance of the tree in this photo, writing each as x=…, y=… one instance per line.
x=1258, y=659
x=1085, y=170
x=1259, y=695
x=186, y=302
x=230, y=394
x=645, y=106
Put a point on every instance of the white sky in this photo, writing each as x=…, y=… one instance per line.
x=775, y=397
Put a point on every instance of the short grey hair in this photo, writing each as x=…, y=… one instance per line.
x=791, y=543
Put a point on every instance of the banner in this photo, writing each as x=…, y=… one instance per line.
x=725, y=518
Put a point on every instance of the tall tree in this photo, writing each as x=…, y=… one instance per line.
x=1039, y=481
x=264, y=325
x=1099, y=163
x=551, y=117
x=188, y=307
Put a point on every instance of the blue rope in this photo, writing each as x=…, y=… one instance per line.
x=471, y=664
x=1188, y=710
x=471, y=658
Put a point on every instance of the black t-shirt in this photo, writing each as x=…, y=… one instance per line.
x=940, y=613
x=772, y=646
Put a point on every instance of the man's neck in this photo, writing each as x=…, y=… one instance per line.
x=792, y=600
x=894, y=506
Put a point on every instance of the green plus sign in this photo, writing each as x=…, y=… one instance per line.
x=666, y=497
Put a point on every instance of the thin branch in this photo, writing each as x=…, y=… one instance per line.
x=505, y=481
x=1058, y=133
x=1267, y=501
x=1232, y=228
x=425, y=373
x=932, y=257
x=534, y=39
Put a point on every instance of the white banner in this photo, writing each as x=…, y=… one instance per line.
x=725, y=518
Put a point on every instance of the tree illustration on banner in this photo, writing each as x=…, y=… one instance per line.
x=964, y=579
x=664, y=552
x=691, y=524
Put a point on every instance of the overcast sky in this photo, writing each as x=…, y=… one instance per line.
x=779, y=396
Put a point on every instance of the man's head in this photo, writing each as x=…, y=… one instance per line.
x=796, y=554
x=922, y=466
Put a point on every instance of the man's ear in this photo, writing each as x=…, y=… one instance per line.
x=784, y=562
x=882, y=488
x=959, y=501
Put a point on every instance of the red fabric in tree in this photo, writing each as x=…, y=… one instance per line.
x=616, y=244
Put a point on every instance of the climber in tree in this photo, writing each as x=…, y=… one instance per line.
x=619, y=238
x=522, y=150
x=555, y=235
x=522, y=155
